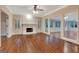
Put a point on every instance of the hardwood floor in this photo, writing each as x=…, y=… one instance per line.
x=37, y=43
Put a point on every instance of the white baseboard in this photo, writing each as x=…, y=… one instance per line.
x=46, y=33
x=8, y=36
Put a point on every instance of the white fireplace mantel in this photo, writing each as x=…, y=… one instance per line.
x=24, y=26
x=29, y=24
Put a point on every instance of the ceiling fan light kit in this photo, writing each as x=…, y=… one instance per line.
x=36, y=9
x=35, y=12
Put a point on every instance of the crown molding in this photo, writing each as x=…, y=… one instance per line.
x=55, y=10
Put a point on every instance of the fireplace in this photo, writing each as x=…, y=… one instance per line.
x=29, y=29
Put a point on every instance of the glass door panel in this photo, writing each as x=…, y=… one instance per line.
x=55, y=25
x=70, y=25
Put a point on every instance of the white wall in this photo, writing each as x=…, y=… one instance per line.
x=43, y=26
x=24, y=22
x=28, y=21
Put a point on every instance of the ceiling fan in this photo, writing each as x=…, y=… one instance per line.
x=36, y=9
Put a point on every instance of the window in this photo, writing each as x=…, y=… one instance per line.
x=57, y=23
x=17, y=24
x=51, y=23
x=39, y=23
x=46, y=22
x=75, y=24
x=46, y=25
x=70, y=22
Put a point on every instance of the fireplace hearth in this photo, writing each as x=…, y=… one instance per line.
x=29, y=29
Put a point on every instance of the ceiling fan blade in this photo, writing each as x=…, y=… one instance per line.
x=40, y=9
x=35, y=7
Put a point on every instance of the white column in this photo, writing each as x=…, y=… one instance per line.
x=65, y=47
x=77, y=17
x=78, y=25
x=0, y=28
x=48, y=26
x=62, y=25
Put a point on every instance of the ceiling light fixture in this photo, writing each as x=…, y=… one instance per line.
x=35, y=12
x=29, y=16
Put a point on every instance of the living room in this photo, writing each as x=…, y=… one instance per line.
x=39, y=28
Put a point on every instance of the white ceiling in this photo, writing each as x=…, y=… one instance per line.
x=28, y=9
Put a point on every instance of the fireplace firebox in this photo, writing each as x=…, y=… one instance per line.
x=29, y=29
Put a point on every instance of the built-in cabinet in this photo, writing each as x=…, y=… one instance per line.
x=4, y=24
